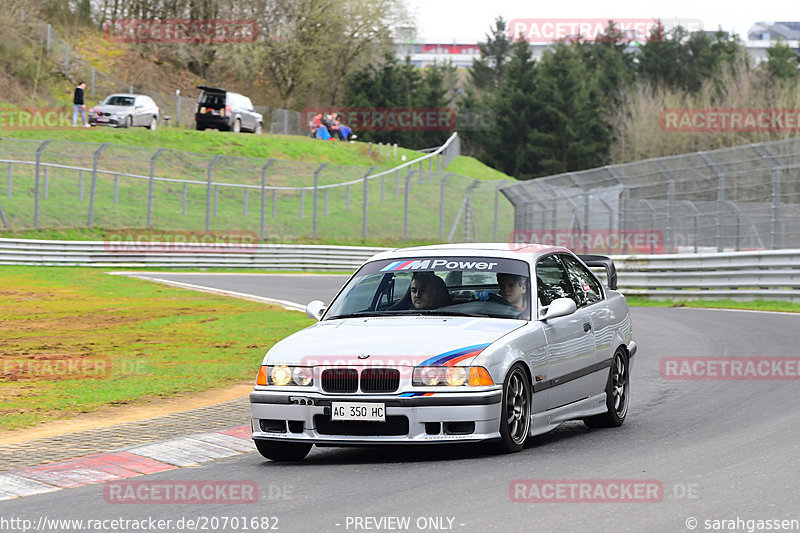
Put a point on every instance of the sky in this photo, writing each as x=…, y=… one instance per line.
x=446, y=21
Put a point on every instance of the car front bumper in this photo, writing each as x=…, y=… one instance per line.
x=438, y=418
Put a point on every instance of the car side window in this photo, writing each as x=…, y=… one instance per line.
x=552, y=281
x=586, y=286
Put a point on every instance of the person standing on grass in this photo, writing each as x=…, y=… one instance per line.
x=79, y=105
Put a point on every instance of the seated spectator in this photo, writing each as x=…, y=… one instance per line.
x=322, y=133
x=315, y=123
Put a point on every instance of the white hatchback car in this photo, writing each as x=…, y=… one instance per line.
x=450, y=343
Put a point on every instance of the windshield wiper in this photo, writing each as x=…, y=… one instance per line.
x=360, y=314
x=448, y=313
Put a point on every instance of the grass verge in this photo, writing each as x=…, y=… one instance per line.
x=74, y=340
x=753, y=305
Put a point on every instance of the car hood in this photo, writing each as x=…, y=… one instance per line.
x=397, y=341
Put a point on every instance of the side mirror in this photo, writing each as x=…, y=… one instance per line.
x=560, y=307
x=316, y=309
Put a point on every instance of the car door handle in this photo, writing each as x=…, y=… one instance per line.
x=587, y=326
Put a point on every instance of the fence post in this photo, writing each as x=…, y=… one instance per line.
x=441, y=205
x=302, y=202
x=10, y=179
x=209, y=173
x=177, y=108
x=347, y=198
x=274, y=202
x=150, y=186
x=264, y=198
x=36, y=185
x=316, y=198
x=405, y=205
x=116, y=189
x=776, y=208
x=366, y=203
x=93, y=189
x=497, y=207
x=3, y=217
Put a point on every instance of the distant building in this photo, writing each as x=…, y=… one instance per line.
x=773, y=31
x=761, y=36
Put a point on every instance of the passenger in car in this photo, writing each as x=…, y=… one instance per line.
x=427, y=291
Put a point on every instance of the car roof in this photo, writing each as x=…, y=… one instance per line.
x=524, y=251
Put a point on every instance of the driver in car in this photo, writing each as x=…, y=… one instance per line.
x=513, y=289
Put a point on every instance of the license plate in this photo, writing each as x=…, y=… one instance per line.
x=370, y=412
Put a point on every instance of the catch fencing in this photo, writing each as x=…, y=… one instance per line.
x=62, y=184
x=740, y=198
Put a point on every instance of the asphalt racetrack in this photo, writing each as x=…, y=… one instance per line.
x=721, y=453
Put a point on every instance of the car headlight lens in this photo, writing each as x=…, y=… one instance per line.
x=283, y=375
x=431, y=376
x=302, y=376
x=456, y=376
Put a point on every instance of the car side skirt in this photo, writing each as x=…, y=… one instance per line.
x=549, y=420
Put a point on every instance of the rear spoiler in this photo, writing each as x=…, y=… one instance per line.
x=605, y=262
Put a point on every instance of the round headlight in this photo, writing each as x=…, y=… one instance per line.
x=430, y=375
x=302, y=375
x=456, y=375
x=281, y=375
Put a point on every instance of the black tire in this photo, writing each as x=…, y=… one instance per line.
x=237, y=126
x=282, y=451
x=617, y=394
x=515, y=417
x=128, y=121
x=200, y=127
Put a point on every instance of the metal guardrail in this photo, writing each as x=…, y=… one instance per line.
x=172, y=255
x=739, y=275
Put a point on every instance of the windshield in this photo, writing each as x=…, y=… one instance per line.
x=452, y=286
x=125, y=101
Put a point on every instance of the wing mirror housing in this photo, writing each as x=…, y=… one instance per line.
x=315, y=309
x=560, y=307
